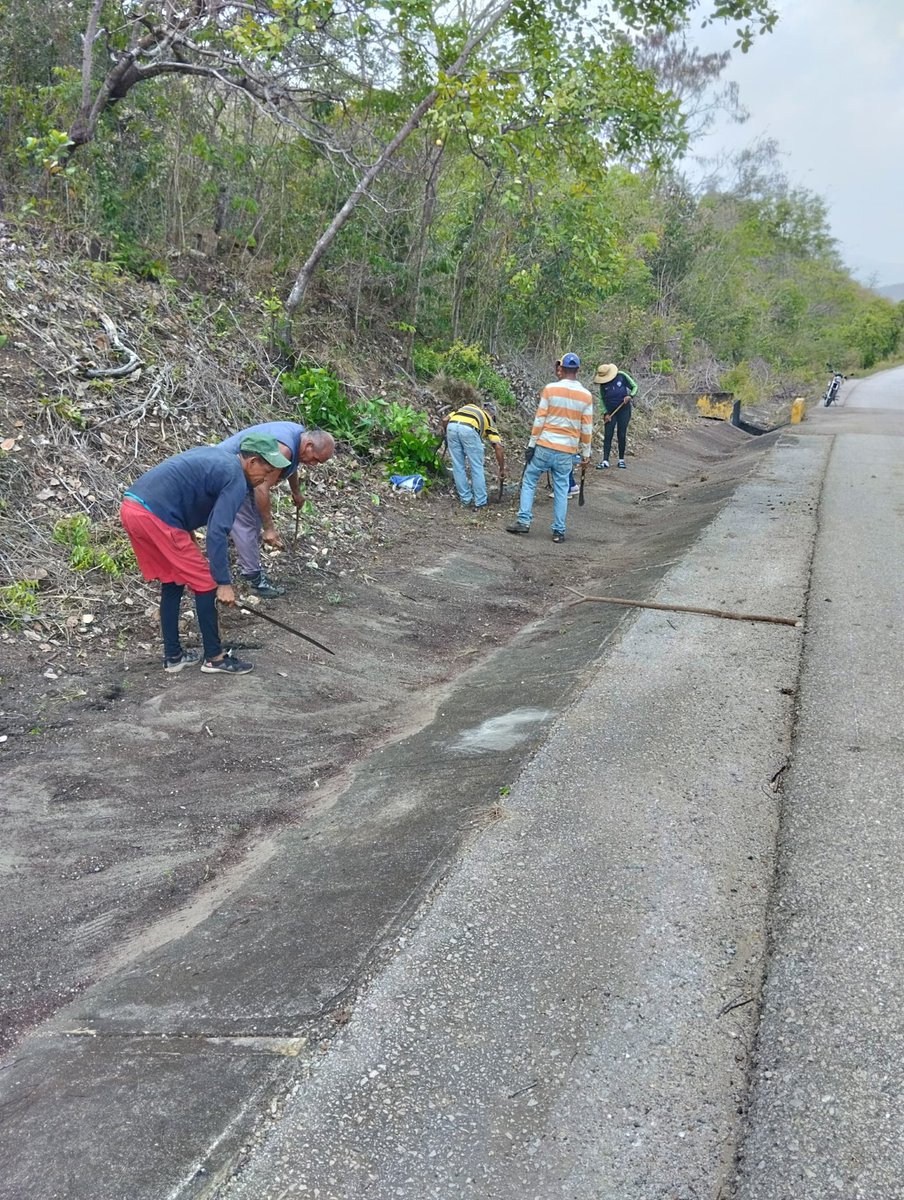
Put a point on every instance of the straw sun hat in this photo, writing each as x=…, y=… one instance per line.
x=605, y=373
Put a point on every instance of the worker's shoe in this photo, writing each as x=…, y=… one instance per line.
x=574, y=491
x=227, y=665
x=189, y=658
x=603, y=466
x=261, y=585
x=623, y=464
x=558, y=536
x=518, y=527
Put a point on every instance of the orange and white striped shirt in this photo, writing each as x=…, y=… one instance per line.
x=564, y=419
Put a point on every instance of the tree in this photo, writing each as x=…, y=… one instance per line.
x=354, y=78
x=539, y=36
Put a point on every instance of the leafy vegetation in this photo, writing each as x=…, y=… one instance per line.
x=91, y=548
x=497, y=183
x=468, y=363
x=377, y=427
x=18, y=600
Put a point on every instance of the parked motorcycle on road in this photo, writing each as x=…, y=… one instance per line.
x=831, y=392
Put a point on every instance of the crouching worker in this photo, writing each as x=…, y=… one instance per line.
x=305, y=447
x=160, y=513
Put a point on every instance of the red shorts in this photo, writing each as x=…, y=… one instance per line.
x=163, y=552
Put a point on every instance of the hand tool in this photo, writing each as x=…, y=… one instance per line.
x=281, y=625
x=581, y=492
x=295, y=536
x=607, y=417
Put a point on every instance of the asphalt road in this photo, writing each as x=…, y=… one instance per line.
x=882, y=391
x=583, y=1012
x=827, y=1114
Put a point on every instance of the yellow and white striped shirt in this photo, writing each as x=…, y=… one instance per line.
x=478, y=418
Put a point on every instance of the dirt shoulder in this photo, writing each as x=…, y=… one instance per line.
x=130, y=793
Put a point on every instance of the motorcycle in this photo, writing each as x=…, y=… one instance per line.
x=831, y=392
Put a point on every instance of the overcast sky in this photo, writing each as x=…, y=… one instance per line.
x=828, y=85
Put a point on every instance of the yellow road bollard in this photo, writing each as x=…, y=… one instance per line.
x=797, y=410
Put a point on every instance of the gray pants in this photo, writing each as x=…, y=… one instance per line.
x=246, y=537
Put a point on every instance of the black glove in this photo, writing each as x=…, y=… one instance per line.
x=529, y=453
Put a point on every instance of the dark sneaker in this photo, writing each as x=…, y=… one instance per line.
x=261, y=585
x=517, y=528
x=227, y=665
x=190, y=658
x=623, y=464
x=558, y=537
x=603, y=466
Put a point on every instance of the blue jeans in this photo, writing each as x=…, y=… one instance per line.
x=466, y=450
x=558, y=463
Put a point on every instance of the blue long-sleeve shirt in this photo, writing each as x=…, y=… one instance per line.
x=200, y=487
x=287, y=432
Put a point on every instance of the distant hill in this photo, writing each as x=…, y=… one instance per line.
x=894, y=291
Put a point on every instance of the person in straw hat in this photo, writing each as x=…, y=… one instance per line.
x=616, y=389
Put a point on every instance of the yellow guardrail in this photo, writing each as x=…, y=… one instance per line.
x=718, y=409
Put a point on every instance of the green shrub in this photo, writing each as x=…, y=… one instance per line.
x=470, y=363
x=91, y=549
x=323, y=404
x=376, y=427
x=17, y=600
x=128, y=255
x=742, y=383
x=427, y=362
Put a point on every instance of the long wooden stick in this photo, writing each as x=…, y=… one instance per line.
x=652, y=495
x=688, y=608
x=607, y=416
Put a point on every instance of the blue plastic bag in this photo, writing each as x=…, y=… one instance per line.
x=407, y=483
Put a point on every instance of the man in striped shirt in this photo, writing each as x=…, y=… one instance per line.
x=563, y=427
x=466, y=431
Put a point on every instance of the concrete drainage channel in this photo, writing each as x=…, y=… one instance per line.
x=153, y=1079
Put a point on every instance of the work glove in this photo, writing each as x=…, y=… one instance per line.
x=529, y=453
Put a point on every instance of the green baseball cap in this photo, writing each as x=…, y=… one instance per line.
x=265, y=447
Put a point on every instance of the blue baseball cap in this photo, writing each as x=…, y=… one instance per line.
x=570, y=360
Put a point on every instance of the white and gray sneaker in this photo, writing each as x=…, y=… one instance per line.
x=227, y=665
x=188, y=658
